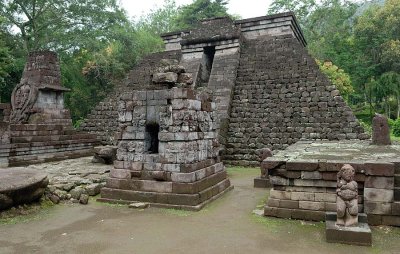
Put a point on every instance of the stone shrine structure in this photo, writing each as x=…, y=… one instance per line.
x=38, y=128
x=269, y=92
x=304, y=180
x=168, y=151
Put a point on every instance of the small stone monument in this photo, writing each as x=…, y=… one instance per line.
x=168, y=151
x=347, y=225
x=380, y=130
x=347, y=197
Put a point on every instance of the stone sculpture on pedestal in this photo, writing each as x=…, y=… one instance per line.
x=347, y=197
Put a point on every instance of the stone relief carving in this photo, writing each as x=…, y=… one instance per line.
x=347, y=197
x=23, y=98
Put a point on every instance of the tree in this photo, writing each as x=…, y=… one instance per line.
x=160, y=20
x=377, y=40
x=59, y=24
x=190, y=14
x=338, y=77
x=301, y=8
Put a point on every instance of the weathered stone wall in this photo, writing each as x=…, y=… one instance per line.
x=102, y=120
x=272, y=25
x=281, y=97
x=5, y=110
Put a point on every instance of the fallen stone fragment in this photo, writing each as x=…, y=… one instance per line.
x=139, y=205
x=93, y=189
x=84, y=199
x=54, y=198
x=104, y=154
x=76, y=193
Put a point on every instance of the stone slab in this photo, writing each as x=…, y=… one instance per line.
x=20, y=186
x=260, y=182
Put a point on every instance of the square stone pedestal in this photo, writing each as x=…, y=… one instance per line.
x=358, y=235
x=260, y=182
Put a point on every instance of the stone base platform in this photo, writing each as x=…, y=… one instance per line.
x=38, y=143
x=304, y=180
x=357, y=235
x=20, y=186
x=150, y=197
x=190, y=189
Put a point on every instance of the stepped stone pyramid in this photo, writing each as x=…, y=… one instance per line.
x=268, y=90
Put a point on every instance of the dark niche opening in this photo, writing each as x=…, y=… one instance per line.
x=207, y=62
x=151, y=137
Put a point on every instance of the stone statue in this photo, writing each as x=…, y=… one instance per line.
x=347, y=197
x=23, y=98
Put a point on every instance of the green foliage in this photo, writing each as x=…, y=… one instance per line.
x=160, y=20
x=337, y=76
x=301, y=8
x=396, y=128
x=95, y=41
x=61, y=25
x=190, y=14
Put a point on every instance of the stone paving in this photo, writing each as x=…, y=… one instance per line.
x=71, y=179
x=351, y=150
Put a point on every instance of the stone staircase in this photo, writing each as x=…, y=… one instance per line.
x=397, y=184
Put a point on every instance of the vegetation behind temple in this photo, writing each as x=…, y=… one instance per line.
x=357, y=44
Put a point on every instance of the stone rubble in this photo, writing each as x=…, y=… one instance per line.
x=74, y=180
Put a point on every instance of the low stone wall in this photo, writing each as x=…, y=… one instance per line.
x=37, y=143
x=304, y=180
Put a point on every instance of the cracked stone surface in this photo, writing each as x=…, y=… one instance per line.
x=354, y=150
x=68, y=177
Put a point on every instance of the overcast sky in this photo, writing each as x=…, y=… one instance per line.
x=245, y=8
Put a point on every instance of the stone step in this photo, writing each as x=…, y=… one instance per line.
x=397, y=180
x=165, y=198
x=396, y=193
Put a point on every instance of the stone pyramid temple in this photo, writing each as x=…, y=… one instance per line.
x=268, y=90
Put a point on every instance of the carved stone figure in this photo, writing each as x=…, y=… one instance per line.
x=347, y=197
x=23, y=98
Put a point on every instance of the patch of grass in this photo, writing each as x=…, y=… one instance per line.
x=292, y=227
x=394, y=138
x=384, y=238
x=176, y=212
x=242, y=171
x=26, y=213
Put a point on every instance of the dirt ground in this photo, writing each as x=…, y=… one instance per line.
x=225, y=226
